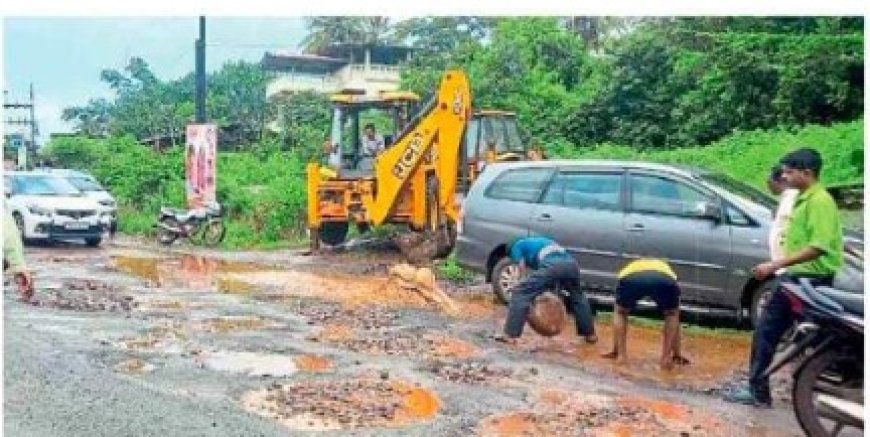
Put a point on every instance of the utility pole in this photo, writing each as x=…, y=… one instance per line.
x=200, y=73
x=23, y=147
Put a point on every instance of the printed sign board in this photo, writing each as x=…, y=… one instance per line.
x=201, y=164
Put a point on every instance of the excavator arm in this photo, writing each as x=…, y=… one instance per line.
x=432, y=144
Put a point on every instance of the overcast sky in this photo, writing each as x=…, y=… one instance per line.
x=63, y=57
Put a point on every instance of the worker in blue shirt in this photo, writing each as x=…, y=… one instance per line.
x=551, y=267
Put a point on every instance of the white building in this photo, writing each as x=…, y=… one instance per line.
x=346, y=67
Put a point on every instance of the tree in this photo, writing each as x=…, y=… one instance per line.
x=326, y=31
x=91, y=120
x=237, y=96
x=438, y=34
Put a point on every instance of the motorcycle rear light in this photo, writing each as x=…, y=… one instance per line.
x=795, y=303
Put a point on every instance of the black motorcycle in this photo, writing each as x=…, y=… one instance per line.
x=828, y=343
x=200, y=225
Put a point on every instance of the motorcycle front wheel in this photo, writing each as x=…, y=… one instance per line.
x=213, y=232
x=828, y=394
x=165, y=236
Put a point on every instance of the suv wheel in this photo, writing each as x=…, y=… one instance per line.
x=505, y=274
x=759, y=300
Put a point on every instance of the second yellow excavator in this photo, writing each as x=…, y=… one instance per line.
x=428, y=161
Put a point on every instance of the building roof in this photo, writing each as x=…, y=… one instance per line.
x=305, y=63
x=380, y=54
x=331, y=58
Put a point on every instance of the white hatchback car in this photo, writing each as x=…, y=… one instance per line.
x=48, y=207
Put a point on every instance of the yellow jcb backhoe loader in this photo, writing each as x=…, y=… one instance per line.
x=428, y=160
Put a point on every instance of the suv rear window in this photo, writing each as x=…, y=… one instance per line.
x=522, y=185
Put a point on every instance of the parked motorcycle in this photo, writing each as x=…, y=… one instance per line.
x=200, y=225
x=828, y=342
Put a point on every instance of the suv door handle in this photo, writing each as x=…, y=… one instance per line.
x=545, y=217
x=637, y=227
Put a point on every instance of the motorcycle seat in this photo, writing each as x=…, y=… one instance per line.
x=182, y=215
x=851, y=302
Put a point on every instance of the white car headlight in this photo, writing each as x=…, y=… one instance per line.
x=108, y=203
x=38, y=210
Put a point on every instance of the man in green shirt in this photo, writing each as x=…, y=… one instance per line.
x=13, y=256
x=813, y=249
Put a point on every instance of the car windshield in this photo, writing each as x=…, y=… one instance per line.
x=741, y=189
x=85, y=184
x=45, y=186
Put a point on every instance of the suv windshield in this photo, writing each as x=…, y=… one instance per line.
x=34, y=185
x=85, y=184
x=738, y=188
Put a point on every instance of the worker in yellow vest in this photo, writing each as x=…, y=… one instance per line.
x=655, y=279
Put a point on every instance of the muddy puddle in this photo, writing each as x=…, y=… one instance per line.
x=248, y=363
x=715, y=357
x=185, y=272
x=364, y=402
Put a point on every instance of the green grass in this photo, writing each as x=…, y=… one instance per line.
x=450, y=270
x=748, y=156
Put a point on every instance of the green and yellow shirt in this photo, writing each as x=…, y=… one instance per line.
x=815, y=222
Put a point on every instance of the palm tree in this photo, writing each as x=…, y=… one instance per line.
x=326, y=31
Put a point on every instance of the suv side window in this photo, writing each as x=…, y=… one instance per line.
x=522, y=185
x=595, y=190
x=659, y=195
x=735, y=217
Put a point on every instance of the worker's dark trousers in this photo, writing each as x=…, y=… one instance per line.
x=560, y=272
x=775, y=319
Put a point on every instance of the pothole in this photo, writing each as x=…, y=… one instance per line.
x=470, y=372
x=313, y=363
x=155, y=338
x=559, y=412
x=85, y=296
x=350, y=404
x=407, y=342
x=226, y=324
x=248, y=363
x=185, y=272
x=134, y=366
x=367, y=317
x=561, y=423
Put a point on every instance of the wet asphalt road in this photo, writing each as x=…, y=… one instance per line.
x=62, y=377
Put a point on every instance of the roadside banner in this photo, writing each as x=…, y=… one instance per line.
x=200, y=164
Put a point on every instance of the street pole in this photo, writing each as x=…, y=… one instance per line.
x=200, y=73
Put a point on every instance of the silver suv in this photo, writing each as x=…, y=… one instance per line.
x=712, y=228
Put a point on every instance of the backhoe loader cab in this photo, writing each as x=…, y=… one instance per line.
x=491, y=135
x=388, y=112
